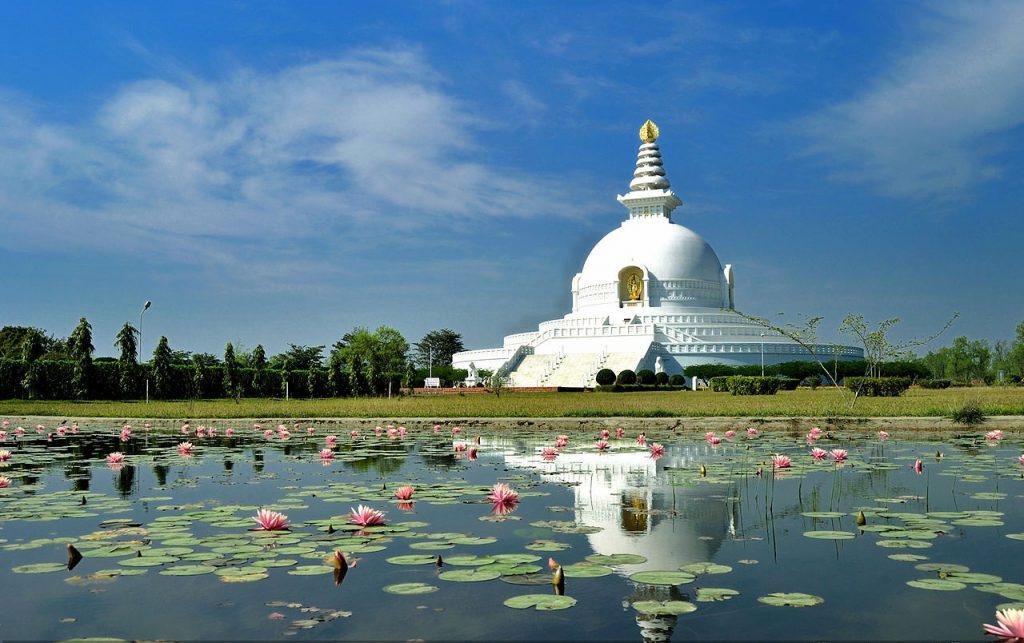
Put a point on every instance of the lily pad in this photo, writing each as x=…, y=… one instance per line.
x=973, y=578
x=831, y=535
x=472, y=575
x=547, y=545
x=540, y=602
x=412, y=559
x=791, y=599
x=586, y=570
x=39, y=568
x=188, y=570
x=617, y=559
x=666, y=577
x=706, y=568
x=938, y=584
x=709, y=594
x=410, y=589
x=942, y=568
x=823, y=514
x=310, y=570
x=909, y=558
x=664, y=608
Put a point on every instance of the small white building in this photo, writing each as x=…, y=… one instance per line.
x=652, y=294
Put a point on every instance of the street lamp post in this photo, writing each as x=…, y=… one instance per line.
x=762, y=354
x=145, y=307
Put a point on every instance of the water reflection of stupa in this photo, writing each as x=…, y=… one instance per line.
x=629, y=496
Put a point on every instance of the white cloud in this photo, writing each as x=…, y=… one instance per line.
x=211, y=171
x=926, y=126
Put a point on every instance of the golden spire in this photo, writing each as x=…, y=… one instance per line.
x=649, y=132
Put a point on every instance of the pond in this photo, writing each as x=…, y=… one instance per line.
x=709, y=540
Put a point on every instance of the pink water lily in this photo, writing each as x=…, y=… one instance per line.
x=366, y=516
x=839, y=455
x=714, y=440
x=437, y=428
x=709, y=436
x=405, y=492
x=472, y=453
x=186, y=429
x=460, y=446
x=19, y=431
x=883, y=435
x=4, y=482
x=271, y=520
x=456, y=430
x=620, y=433
x=229, y=433
x=730, y=434
x=1011, y=625
x=268, y=434
x=326, y=454
x=561, y=441
x=5, y=455
x=549, y=453
x=1021, y=459
x=751, y=432
x=601, y=445
x=331, y=440
x=994, y=435
x=781, y=461
x=918, y=466
x=3, y=435
x=502, y=493
x=310, y=430
x=115, y=458
x=816, y=432
x=818, y=454
x=605, y=434
x=657, y=450
x=185, y=448
x=353, y=434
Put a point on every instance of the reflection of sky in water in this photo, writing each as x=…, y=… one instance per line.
x=658, y=509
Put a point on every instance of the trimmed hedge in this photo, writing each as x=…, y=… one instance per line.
x=753, y=385
x=677, y=380
x=878, y=386
x=935, y=383
x=605, y=376
x=719, y=384
x=661, y=378
x=626, y=377
x=788, y=383
x=646, y=376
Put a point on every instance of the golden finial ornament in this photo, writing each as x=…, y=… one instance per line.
x=649, y=132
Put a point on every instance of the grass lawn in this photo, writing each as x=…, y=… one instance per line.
x=823, y=402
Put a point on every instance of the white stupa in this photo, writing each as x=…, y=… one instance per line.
x=652, y=294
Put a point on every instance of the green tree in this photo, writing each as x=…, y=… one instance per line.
x=437, y=348
x=336, y=380
x=878, y=348
x=258, y=364
x=1016, y=356
x=371, y=357
x=127, y=362
x=410, y=376
x=12, y=338
x=162, y=360
x=198, y=376
x=299, y=358
x=81, y=348
x=231, y=372
x=32, y=348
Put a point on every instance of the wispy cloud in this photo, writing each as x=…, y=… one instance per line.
x=330, y=151
x=927, y=126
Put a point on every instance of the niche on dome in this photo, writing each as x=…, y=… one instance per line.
x=632, y=286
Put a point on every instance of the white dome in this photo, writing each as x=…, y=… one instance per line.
x=678, y=266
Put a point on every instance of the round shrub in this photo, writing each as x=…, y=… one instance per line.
x=661, y=379
x=646, y=377
x=605, y=376
x=677, y=380
x=626, y=377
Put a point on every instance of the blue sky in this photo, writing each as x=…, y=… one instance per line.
x=282, y=172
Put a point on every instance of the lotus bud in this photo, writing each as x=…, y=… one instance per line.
x=703, y=471
x=83, y=500
x=558, y=580
x=331, y=529
x=74, y=557
x=440, y=561
x=861, y=519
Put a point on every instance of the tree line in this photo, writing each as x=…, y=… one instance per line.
x=36, y=365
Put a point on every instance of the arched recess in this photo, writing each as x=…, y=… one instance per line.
x=633, y=286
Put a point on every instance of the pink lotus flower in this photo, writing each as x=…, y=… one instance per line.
x=200, y=431
x=185, y=429
x=714, y=440
x=751, y=432
x=561, y=441
x=1011, y=625
x=378, y=430
x=883, y=435
x=392, y=432
x=456, y=430
x=74, y=428
x=185, y=448
x=353, y=434
x=818, y=454
x=115, y=458
x=1021, y=459
x=3, y=436
x=549, y=453
x=6, y=423
x=460, y=446
x=708, y=436
x=994, y=435
x=268, y=434
x=4, y=482
x=620, y=433
x=326, y=454
x=331, y=440
x=271, y=520
x=402, y=431
x=811, y=438
x=437, y=428
x=781, y=461
x=366, y=517
x=310, y=430
x=602, y=445
x=839, y=455
x=5, y=455
x=212, y=432
x=730, y=434
x=472, y=453
x=657, y=450
x=257, y=427
x=40, y=428
x=502, y=493
x=405, y=492
x=146, y=426
x=641, y=440
x=284, y=435
x=553, y=564
x=918, y=466
x=63, y=430
x=816, y=432
x=229, y=433
x=605, y=434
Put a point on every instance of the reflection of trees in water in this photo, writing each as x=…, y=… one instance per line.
x=257, y=460
x=389, y=460
x=125, y=480
x=656, y=628
x=229, y=465
x=79, y=473
x=634, y=510
x=160, y=471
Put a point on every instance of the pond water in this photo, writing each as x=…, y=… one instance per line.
x=651, y=548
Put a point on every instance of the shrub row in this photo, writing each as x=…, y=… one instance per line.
x=804, y=369
x=752, y=385
x=878, y=386
x=935, y=383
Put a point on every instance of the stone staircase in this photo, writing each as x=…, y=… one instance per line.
x=532, y=370
x=571, y=369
